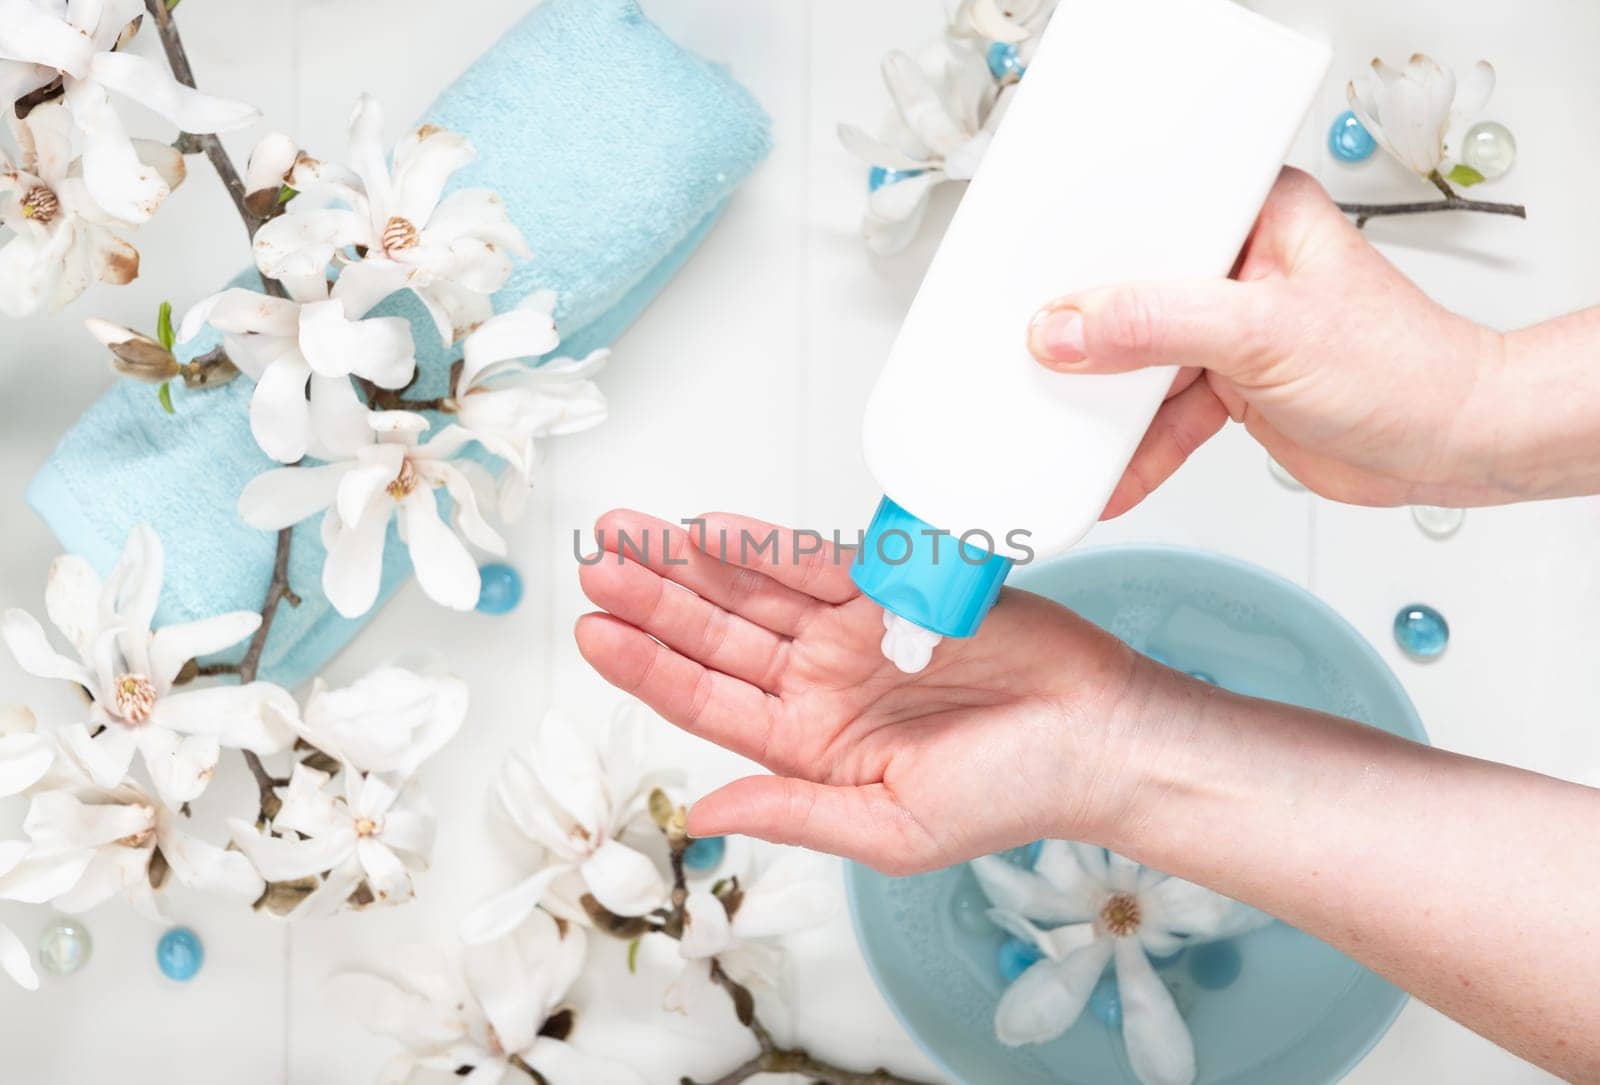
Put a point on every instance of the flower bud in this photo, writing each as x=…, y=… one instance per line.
x=133, y=354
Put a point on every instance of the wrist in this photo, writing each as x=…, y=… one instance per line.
x=1532, y=424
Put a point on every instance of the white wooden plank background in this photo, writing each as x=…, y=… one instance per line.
x=742, y=389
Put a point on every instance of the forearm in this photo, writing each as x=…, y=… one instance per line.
x=1468, y=884
x=1532, y=428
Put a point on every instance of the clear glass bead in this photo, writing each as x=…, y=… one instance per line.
x=1349, y=140
x=64, y=946
x=1421, y=631
x=1437, y=522
x=1490, y=148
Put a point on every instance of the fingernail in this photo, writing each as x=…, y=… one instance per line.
x=1056, y=335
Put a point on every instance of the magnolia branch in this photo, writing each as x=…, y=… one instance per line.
x=772, y=1057
x=1453, y=201
x=278, y=589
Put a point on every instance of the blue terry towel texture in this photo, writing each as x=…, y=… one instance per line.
x=615, y=150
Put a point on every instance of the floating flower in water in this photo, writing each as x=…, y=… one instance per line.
x=576, y=802
x=1084, y=908
x=131, y=674
x=1410, y=110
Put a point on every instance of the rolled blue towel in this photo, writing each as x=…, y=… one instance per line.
x=615, y=150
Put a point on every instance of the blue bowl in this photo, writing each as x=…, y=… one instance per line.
x=1299, y=1010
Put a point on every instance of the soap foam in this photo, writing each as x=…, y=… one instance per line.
x=906, y=644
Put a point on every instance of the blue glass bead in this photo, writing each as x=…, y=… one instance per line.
x=1215, y=965
x=1016, y=957
x=1004, y=62
x=1030, y=853
x=180, y=954
x=877, y=177
x=1349, y=140
x=1204, y=677
x=704, y=854
x=499, y=589
x=64, y=946
x=1421, y=631
x=1105, y=1003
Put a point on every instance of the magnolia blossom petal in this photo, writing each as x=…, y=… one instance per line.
x=24, y=759
x=25, y=637
x=106, y=757
x=16, y=960
x=387, y=876
x=304, y=242
x=236, y=716
x=558, y=1060
x=1473, y=93
x=505, y=912
x=352, y=575
x=377, y=348
x=282, y=859
x=339, y=426
x=624, y=881
x=153, y=87
x=239, y=310
x=706, y=930
x=394, y=1010
x=40, y=879
x=271, y=159
x=1046, y=999
x=895, y=212
x=571, y=774
x=36, y=34
x=285, y=496
x=519, y=980
x=116, y=178
x=790, y=895
x=180, y=767
x=1014, y=889
x=691, y=990
x=58, y=821
x=201, y=865
x=530, y=809
x=174, y=645
x=1184, y=907
x=364, y=283
x=72, y=601
x=876, y=152
x=918, y=102
x=135, y=587
x=280, y=417
x=424, y=159
x=444, y=566
x=1160, y=1048
x=366, y=152
x=524, y=332
x=993, y=23
x=479, y=213
x=361, y=491
x=458, y=484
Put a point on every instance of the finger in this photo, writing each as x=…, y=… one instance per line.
x=670, y=551
x=801, y=560
x=685, y=622
x=722, y=709
x=1215, y=324
x=861, y=823
x=1184, y=423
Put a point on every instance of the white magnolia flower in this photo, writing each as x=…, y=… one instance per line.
x=25, y=757
x=129, y=672
x=1101, y=908
x=369, y=835
x=576, y=802
x=513, y=992
x=286, y=345
x=1009, y=21
x=62, y=239
x=1411, y=111
x=88, y=844
x=453, y=253
x=946, y=112
x=739, y=930
x=509, y=401
x=384, y=472
x=388, y=721
x=78, y=42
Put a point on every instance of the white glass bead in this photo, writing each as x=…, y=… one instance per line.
x=1489, y=148
x=1436, y=522
x=64, y=946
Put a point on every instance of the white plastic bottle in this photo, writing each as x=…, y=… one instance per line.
x=1139, y=145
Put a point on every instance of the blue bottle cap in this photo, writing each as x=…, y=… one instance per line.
x=926, y=575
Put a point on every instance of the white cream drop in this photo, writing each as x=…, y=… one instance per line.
x=906, y=644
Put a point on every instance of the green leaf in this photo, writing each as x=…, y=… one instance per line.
x=164, y=394
x=1465, y=176
x=164, y=331
x=285, y=194
x=633, y=956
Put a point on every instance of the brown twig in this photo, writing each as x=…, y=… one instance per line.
x=1452, y=201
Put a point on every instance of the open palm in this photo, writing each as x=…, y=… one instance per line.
x=1005, y=737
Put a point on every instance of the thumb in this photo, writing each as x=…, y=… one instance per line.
x=1209, y=323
